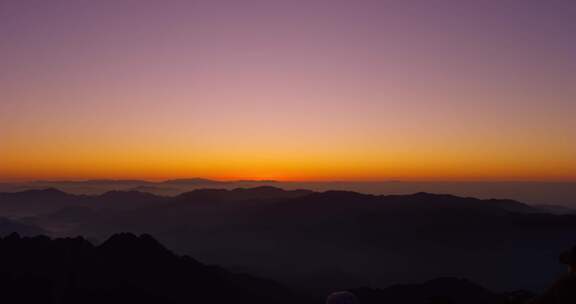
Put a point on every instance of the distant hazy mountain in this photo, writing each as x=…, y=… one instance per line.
x=555, y=193
x=194, y=182
x=32, y=202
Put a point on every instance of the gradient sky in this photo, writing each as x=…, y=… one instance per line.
x=294, y=90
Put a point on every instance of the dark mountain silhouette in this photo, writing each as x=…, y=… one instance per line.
x=138, y=269
x=124, y=269
x=324, y=240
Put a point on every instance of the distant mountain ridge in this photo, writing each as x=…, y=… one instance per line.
x=40, y=200
x=543, y=193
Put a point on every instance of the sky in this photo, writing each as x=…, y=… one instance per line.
x=288, y=90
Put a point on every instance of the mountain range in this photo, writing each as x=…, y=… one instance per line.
x=549, y=193
x=322, y=240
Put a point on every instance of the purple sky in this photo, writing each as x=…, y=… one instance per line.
x=300, y=89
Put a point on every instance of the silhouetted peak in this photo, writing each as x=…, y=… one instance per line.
x=48, y=192
x=342, y=195
x=131, y=244
x=191, y=181
x=433, y=196
x=14, y=236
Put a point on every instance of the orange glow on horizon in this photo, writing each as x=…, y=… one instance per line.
x=227, y=90
x=329, y=168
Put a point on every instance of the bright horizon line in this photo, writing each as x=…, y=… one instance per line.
x=160, y=180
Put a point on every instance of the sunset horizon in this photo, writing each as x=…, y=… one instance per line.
x=285, y=180
x=299, y=90
x=288, y=151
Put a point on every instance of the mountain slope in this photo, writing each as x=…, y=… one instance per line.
x=124, y=269
x=338, y=238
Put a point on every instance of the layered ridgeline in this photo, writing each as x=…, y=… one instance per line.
x=323, y=240
x=549, y=193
